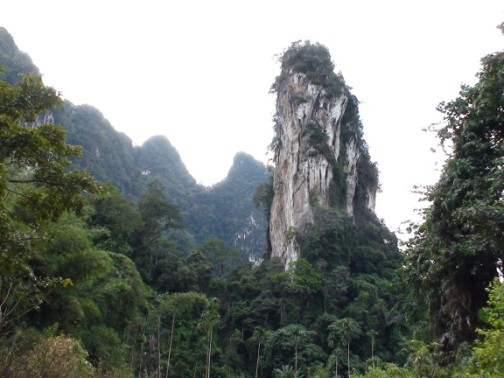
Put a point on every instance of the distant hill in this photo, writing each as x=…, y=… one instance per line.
x=107, y=154
x=13, y=61
x=228, y=212
x=224, y=210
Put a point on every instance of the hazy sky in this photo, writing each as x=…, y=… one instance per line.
x=199, y=72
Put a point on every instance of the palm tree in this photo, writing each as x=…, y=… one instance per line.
x=296, y=335
x=259, y=336
x=334, y=359
x=344, y=330
x=372, y=334
x=286, y=371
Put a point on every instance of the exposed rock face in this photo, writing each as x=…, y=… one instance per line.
x=314, y=153
x=42, y=119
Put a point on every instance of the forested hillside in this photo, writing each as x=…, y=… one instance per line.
x=115, y=263
x=110, y=157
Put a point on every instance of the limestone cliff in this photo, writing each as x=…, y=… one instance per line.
x=319, y=150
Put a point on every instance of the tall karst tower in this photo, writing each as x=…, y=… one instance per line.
x=321, y=159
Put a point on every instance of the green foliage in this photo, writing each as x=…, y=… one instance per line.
x=103, y=298
x=338, y=187
x=303, y=279
x=387, y=371
x=121, y=285
x=455, y=253
x=36, y=188
x=330, y=241
x=367, y=184
x=314, y=61
x=227, y=210
x=341, y=332
x=223, y=259
x=493, y=314
x=118, y=219
x=356, y=260
x=178, y=334
x=52, y=357
x=263, y=195
x=158, y=215
x=317, y=138
x=223, y=211
x=286, y=371
x=488, y=359
x=107, y=154
x=294, y=344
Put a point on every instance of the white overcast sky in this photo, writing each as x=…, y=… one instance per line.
x=199, y=72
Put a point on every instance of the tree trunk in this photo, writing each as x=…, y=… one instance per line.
x=348, y=358
x=257, y=361
x=141, y=357
x=210, y=332
x=295, y=360
x=372, y=352
x=159, y=347
x=171, y=343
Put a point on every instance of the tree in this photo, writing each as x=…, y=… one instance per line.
x=57, y=356
x=260, y=336
x=100, y=299
x=343, y=331
x=36, y=188
x=314, y=60
x=286, y=371
x=334, y=359
x=294, y=336
x=208, y=320
x=223, y=259
x=200, y=270
x=180, y=304
x=173, y=340
x=302, y=279
x=158, y=215
x=157, y=212
x=488, y=359
x=456, y=252
x=372, y=335
x=119, y=220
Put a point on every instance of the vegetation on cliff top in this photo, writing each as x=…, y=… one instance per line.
x=313, y=60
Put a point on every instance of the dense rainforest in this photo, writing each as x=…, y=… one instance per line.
x=115, y=263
